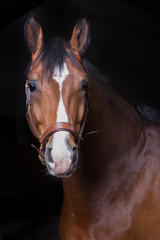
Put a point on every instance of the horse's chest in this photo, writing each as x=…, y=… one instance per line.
x=119, y=220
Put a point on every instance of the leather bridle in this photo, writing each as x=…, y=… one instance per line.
x=55, y=127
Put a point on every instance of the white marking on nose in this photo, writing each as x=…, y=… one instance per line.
x=61, y=153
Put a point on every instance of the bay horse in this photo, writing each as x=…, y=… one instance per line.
x=105, y=149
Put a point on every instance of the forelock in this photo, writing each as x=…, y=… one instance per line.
x=51, y=56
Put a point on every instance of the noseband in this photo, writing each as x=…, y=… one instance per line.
x=55, y=127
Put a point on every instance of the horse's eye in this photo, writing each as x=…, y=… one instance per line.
x=32, y=86
x=84, y=85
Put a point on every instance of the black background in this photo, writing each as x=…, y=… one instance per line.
x=125, y=46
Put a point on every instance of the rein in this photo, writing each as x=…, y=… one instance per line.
x=55, y=127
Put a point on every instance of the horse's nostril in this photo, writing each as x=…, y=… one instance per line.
x=49, y=157
x=74, y=149
x=50, y=147
x=74, y=156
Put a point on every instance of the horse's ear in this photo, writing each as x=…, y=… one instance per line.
x=33, y=35
x=80, y=39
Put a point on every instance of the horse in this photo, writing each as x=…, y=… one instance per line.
x=105, y=149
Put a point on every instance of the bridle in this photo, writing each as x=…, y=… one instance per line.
x=55, y=127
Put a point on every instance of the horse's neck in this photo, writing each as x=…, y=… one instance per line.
x=117, y=129
x=117, y=122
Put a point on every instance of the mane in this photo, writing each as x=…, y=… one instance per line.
x=146, y=112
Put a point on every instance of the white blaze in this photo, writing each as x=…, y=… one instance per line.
x=61, y=154
x=59, y=77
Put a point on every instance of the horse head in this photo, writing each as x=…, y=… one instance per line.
x=57, y=87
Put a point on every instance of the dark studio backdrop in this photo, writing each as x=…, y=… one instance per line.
x=125, y=46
